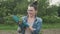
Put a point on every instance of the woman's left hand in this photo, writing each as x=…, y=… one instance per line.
x=31, y=28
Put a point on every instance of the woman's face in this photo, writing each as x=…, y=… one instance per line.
x=31, y=11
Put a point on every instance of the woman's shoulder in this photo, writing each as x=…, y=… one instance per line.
x=39, y=19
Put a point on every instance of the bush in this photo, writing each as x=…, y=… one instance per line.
x=9, y=20
x=1, y=20
x=51, y=19
x=20, y=7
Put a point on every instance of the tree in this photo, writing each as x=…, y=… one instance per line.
x=42, y=6
x=59, y=11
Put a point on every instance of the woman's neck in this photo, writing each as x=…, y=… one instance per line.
x=31, y=16
x=31, y=19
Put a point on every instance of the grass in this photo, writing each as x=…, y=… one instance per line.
x=51, y=26
x=8, y=27
x=13, y=28
x=44, y=26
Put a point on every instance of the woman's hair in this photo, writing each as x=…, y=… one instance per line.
x=34, y=4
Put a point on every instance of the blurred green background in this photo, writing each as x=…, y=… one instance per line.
x=49, y=14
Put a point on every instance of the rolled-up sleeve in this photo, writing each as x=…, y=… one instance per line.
x=38, y=27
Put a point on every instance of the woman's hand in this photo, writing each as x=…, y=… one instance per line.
x=31, y=28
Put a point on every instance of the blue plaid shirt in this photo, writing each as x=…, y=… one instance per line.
x=36, y=25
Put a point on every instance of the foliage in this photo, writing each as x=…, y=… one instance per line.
x=20, y=7
x=51, y=19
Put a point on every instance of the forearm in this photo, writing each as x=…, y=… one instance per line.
x=31, y=28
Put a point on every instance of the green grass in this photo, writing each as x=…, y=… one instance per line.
x=8, y=27
x=44, y=26
x=51, y=26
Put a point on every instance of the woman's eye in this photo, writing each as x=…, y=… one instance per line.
x=30, y=10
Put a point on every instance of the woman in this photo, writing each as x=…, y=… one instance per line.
x=32, y=20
